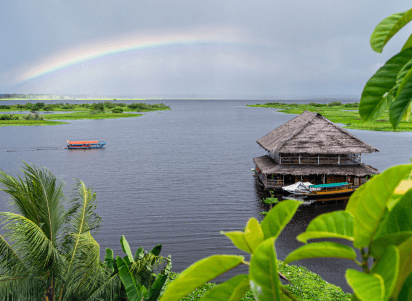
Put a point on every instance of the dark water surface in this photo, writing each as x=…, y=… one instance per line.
x=179, y=177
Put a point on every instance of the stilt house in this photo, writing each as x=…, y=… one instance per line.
x=311, y=148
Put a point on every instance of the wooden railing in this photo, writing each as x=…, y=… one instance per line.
x=273, y=183
x=319, y=160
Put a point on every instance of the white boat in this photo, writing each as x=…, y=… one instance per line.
x=299, y=188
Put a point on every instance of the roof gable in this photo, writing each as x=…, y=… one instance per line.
x=312, y=133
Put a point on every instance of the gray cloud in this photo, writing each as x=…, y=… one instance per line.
x=296, y=48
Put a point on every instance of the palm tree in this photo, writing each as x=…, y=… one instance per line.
x=48, y=251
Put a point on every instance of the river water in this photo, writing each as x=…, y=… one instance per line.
x=179, y=177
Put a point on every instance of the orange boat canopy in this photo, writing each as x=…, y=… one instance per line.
x=83, y=142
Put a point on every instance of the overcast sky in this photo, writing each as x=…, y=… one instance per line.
x=210, y=48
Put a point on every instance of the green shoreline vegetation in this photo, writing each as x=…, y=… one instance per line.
x=337, y=112
x=304, y=284
x=106, y=110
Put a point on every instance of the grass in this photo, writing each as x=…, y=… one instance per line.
x=304, y=284
x=341, y=113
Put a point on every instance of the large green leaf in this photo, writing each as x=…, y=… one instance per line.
x=402, y=73
x=338, y=224
x=156, y=250
x=128, y=281
x=388, y=268
x=387, y=28
x=399, y=219
x=395, y=227
x=406, y=291
x=238, y=239
x=263, y=272
x=139, y=254
x=374, y=99
x=253, y=234
x=405, y=264
x=126, y=248
x=320, y=250
x=399, y=107
x=367, y=287
x=108, y=259
x=408, y=43
x=369, y=202
x=379, y=245
x=231, y=290
x=199, y=273
x=279, y=217
x=154, y=292
x=157, y=287
x=250, y=239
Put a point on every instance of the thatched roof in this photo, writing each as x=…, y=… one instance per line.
x=311, y=133
x=268, y=166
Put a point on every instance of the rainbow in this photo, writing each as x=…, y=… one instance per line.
x=136, y=42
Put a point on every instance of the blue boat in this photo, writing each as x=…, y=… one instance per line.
x=85, y=144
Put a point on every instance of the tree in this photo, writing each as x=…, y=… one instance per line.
x=46, y=250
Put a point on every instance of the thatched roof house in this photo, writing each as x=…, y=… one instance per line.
x=311, y=133
x=312, y=147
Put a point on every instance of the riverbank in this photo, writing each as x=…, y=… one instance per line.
x=106, y=110
x=337, y=112
x=304, y=284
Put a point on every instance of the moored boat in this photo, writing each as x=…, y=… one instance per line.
x=321, y=190
x=329, y=190
x=85, y=144
x=299, y=188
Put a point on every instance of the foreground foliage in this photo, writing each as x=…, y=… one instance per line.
x=391, y=86
x=303, y=283
x=377, y=220
x=48, y=251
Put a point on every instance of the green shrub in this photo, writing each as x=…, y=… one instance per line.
x=5, y=107
x=334, y=104
x=117, y=110
x=38, y=106
x=48, y=108
x=351, y=105
x=8, y=117
x=109, y=104
x=98, y=107
x=139, y=106
x=68, y=106
x=314, y=104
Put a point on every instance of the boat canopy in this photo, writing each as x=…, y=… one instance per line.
x=83, y=142
x=329, y=185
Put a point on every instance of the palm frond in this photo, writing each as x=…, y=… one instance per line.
x=20, y=288
x=46, y=192
x=32, y=243
x=86, y=271
x=85, y=219
x=107, y=289
x=10, y=262
x=21, y=199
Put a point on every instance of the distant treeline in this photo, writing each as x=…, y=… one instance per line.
x=2, y=96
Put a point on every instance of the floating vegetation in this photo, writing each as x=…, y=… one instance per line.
x=337, y=112
x=78, y=111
